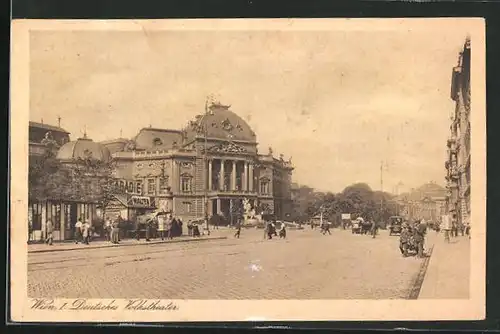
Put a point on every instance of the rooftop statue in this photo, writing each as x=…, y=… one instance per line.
x=48, y=140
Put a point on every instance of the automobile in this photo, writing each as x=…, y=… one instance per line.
x=395, y=225
x=356, y=225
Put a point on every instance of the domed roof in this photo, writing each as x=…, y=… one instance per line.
x=84, y=148
x=221, y=123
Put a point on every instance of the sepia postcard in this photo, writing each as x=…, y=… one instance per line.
x=247, y=170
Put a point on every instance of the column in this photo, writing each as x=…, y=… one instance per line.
x=244, y=178
x=209, y=175
x=250, y=178
x=173, y=180
x=218, y=206
x=233, y=176
x=221, y=179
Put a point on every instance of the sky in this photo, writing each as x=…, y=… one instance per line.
x=337, y=102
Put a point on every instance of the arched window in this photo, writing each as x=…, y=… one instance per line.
x=186, y=183
x=264, y=185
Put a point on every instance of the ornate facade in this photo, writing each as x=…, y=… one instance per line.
x=458, y=153
x=427, y=201
x=207, y=168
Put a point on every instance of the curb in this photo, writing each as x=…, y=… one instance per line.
x=419, y=280
x=126, y=245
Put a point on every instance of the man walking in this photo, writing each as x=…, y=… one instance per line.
x=49, y=232
x=115, y=232
x=404, y=240
x=86, y=232
x=169, y=224
x=148, y=229
x=421, y=229
x=107, y=229
x=78, y=230
x=161, y=226
x=238, y=229
x=326, y=228
x=374, y=229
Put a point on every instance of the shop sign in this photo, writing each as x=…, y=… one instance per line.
x=140, y=201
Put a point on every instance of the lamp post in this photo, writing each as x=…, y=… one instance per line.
x=202, y=127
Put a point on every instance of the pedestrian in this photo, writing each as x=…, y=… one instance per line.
x=282, y=233
x=270, y=231
x=107, y=229
x=169, y=225
x=207, y=224
x=115, y=232
x=326, y=228
x=49, y=228
x=86, y=232
x=446, y=227
x=161, y=226
x=137, y=229
x=30, y=229
x=404, y=240
x=374, y=229
x=195, y=230
x=179, y=227
x=78, y=230
x=148, y=230
x=119, y=220
x=238, y=229
x=420, y=231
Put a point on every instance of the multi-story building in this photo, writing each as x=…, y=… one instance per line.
x=43, y=138
x=426, y=202
x=207, y=168
x=300, y=196
x=458, y=153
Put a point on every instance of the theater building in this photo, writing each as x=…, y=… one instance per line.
x=207, y=168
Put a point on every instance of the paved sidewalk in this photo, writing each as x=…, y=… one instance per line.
x=448, y=273
x=67, y=246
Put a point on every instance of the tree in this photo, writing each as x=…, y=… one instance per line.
x=94, y=181
x=47, y=179
x=82, y=180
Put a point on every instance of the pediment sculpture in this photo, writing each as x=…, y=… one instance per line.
x=228, y=148
x=226, y=125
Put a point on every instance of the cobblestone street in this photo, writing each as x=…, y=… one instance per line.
x=307, y=265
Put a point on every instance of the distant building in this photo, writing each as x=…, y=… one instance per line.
x=426, y=202
x=300, y=195
x=43, y=136
x=458, y=155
